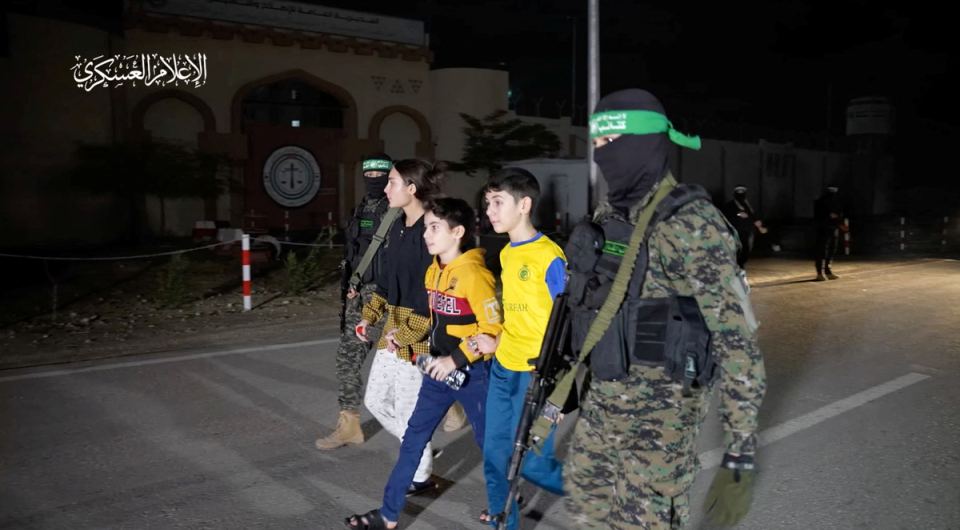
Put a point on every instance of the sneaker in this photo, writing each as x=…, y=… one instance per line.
x=417, y=488
x=832, y=276
x=821, y=278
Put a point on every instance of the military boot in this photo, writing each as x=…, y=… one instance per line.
x=455, y=419
x=347, y=432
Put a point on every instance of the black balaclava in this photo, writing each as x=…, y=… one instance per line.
x=740, y=195
x=634, y=163
x=381, y=164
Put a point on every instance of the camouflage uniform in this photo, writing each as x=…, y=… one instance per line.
x=353, y=352
x=633, y=460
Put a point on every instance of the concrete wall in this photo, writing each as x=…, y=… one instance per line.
x=573, y=138
x=472, y=91
x=45, y=114
x=400, y=135
x=563, y=185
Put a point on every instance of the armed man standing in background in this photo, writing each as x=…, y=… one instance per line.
x=740, y=213
x=828, y=216
x=658, y=303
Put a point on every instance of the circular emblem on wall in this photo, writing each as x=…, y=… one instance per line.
x=291, y=176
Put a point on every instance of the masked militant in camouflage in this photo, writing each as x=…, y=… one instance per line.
x=632, y=460
x=357, y=288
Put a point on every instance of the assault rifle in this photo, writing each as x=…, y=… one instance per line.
x=554, y=360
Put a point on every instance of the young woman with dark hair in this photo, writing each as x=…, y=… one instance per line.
x=394, y=381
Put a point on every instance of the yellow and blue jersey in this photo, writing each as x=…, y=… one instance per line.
x=533, y=275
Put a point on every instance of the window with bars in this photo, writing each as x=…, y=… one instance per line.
x=290, y=100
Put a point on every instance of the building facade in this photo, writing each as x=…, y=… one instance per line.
x=295, y=110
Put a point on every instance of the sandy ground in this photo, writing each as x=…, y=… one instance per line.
x=113, y=309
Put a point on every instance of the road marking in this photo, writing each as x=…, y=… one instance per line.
x=713, y=458
x=927, y=370
x=147, y=362
x=789, y=280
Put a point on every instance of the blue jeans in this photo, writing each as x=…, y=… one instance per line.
x=434, y=400
x=504, y=406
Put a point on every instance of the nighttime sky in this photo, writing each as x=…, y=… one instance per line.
x=766, y=63
x=784, y=65
x=763, y=63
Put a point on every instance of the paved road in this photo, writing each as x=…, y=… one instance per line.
x=861, y=428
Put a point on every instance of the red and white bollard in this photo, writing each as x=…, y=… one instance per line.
x=476, y=233
x=557, y=223
x=846, y=236
x=247, y=305
x=943, y=237
x=903, y=233
x=286, y=225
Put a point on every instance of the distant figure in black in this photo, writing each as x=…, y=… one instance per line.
x=741, y=215
x=828, y=216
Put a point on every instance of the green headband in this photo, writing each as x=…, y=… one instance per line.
x=376, y=165
x=638, y=122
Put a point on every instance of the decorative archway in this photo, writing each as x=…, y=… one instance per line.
x=349, y=112
x=424, y=146
x=140, y=110
x=140, y=134
x=351, y=148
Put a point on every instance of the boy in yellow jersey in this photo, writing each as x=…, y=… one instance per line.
x=533, y=275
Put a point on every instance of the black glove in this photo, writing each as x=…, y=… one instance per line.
x=732, y=490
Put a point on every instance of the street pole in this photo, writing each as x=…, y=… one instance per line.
x=573, y=84
x=593, y=89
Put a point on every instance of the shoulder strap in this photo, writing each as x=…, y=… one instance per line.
x=669, y=198
x=378, y=238
x=619, y=289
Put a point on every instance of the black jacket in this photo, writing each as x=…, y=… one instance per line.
x=823, y=207
x=400, y=281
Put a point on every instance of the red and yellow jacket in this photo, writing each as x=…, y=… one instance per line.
x=463, y=303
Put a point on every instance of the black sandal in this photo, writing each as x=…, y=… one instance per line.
x=375, y=521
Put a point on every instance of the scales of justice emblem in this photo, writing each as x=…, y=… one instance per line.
x=291, y=176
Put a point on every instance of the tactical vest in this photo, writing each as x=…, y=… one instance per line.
x=661, y=332
x=359, y=234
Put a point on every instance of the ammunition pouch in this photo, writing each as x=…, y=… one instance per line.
x=662, y=332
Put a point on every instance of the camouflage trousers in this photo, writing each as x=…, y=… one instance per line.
x=632, y=459
x=353, y=352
